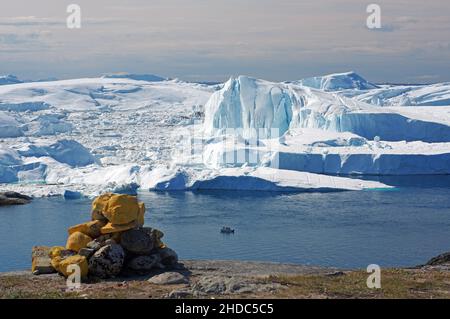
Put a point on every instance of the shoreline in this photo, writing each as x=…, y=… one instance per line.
x=238, y=267
x=239, y=279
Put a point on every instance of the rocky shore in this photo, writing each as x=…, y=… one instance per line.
x=13, y=198
x=237, y=279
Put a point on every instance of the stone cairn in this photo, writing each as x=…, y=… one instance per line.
x=114, y=242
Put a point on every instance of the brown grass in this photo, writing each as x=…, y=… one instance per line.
x=396, y=283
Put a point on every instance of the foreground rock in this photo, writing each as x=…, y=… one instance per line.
x=226, y=285
x=169, y=278
x=13, y=198
x=168, y=256
x=107, y=262
x=137, y=242
x=439, y=260
x=41, y=262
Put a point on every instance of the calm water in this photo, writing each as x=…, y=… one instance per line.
x=348, y=229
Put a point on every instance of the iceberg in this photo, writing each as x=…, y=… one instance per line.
x=137, y=77
x=261, y=179
x=63, y=151
x=124, y=132
x=337, y=82
x=248, y=105
x=9, y=126
x=404, y=95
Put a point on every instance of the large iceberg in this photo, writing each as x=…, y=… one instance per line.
x=246, y=103
x=250, y=105
x=337, y=82
x=260, y=179
x=404, y=95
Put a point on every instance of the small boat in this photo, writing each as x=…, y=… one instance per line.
x=227, y=230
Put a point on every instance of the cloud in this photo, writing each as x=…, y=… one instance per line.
x=385, y=28
x=30, y=21
x=425, y=77
x=16, y=38
x=24, y=42
x=189, y=38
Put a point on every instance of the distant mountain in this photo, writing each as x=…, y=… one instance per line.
x=338, y=82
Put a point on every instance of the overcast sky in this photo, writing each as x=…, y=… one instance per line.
x=213, y=39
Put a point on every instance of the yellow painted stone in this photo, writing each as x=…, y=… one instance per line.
x=98, y=205
x=40, y=251
x=81, y=261
x=100, y=202
x=111, y=228
x=92, y=229
x=56, y=251
x=77, y=240
x=140, y=219
x=41, y=265
x=96, y=215
x=40, y=260
x=55, y=262
x=121, y=209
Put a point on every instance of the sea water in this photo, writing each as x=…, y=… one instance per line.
x=404, y=227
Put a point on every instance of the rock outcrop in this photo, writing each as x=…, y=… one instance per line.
x=13, y=198
x=439, y=260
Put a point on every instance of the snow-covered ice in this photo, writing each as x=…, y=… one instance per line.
x=122, y=132
x=338, y=82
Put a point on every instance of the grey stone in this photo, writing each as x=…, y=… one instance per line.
x=211, y=285
x=110, y=242
x=95, y=245
x=168, y=256
x=220, y=285
x=107, y=262
x=168, y=278
x=335, y=274
x=86, y=252
x=143, y=264
x=137, y=242
x=99, y=242
x=154, y=233
x=180, y=294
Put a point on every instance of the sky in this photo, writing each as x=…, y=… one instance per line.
x=211, y=40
